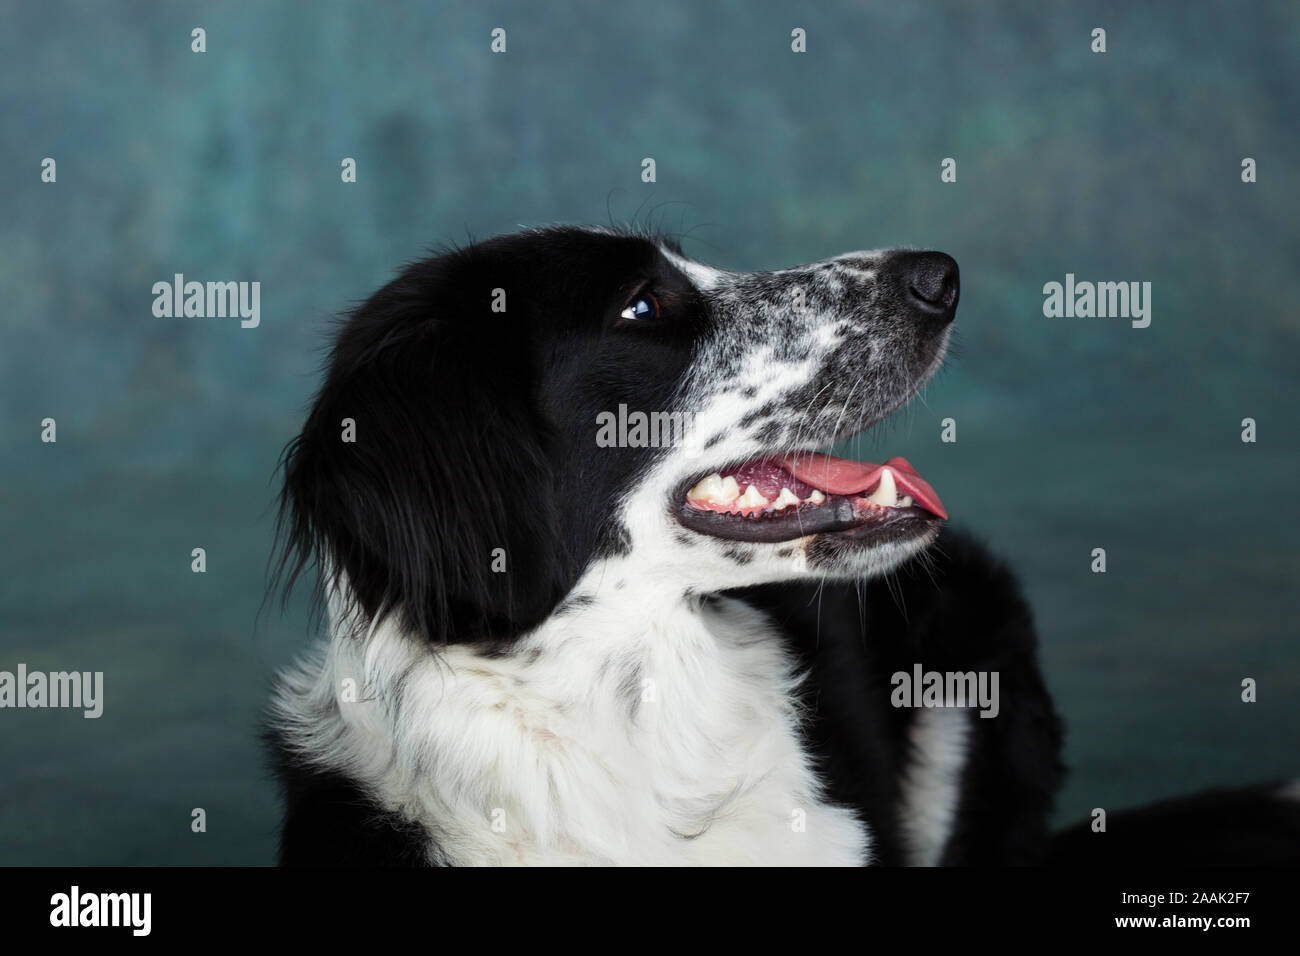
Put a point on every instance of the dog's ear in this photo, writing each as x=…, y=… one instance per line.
x=421, y=474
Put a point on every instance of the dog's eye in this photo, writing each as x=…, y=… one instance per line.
x=644, y=306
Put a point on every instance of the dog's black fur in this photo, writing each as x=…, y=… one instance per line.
x=459, y=408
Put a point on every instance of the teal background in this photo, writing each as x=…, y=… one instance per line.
x=1072, y=434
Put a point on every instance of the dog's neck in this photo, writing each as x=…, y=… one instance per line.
x=631, y=726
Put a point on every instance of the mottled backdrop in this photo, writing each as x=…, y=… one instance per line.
x=1072, y=434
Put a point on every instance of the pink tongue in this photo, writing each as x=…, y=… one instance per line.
x=840, y=476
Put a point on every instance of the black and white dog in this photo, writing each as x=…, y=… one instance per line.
x=553, y=640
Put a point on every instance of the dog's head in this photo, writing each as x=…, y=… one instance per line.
x=503, y=418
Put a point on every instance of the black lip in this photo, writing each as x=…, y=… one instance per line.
x=833, y=516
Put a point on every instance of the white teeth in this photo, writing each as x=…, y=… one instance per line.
x=785, y=499
x=706, y=488
x=905, y=501
x=752, y=498
x=715, y=489
x=886, y=495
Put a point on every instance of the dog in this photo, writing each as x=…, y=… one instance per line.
x=556, y=641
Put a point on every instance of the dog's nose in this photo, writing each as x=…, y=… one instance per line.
x=930, y=282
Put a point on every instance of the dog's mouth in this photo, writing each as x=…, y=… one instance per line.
x=783, y=498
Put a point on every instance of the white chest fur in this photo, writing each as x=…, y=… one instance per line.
x=668, y=741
